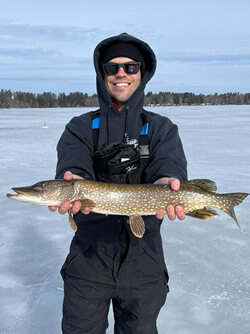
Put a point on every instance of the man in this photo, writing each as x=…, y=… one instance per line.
x=121, y=143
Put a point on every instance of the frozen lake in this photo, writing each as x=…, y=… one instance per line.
x=208, y=261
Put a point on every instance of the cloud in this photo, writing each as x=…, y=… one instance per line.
x=209, y=57
x=39, y=57
x=48, y=45
x=65, y=33
x=28, y=53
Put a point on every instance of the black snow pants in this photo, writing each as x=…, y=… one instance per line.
x=95, y=276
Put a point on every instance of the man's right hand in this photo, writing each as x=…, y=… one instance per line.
x=66, y=206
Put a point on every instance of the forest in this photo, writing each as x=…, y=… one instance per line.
x=9, y=99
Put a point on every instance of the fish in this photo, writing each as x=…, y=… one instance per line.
x=198, y=198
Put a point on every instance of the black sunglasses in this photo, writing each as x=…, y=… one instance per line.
x=129, y=68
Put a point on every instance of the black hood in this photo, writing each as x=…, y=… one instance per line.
x=136, y=101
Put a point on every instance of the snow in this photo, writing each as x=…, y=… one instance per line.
x=208, y=261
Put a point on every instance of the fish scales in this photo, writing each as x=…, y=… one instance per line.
x=125, y=200
x=147, y=199
x=197, y=197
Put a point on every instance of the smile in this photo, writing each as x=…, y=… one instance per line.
x=122, y=84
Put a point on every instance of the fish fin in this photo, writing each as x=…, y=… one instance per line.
x=204, y=213
x=72, y=222
x=234, y=200
x=205, y=184
x=87, y=202
x=137, y=226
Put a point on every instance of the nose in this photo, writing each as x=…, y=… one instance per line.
x=121, y=72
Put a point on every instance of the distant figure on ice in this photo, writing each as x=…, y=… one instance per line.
x=119, y=143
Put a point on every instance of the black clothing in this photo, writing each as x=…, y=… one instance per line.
x=137, y=287
x=121, y=162
x=145, y=55
x=104, y=253
x=122, y=50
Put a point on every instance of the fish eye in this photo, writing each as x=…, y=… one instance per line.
x=40, y=185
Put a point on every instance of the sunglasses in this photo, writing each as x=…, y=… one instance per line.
x=129, y=68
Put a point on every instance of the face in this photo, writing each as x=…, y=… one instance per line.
x=121, y=85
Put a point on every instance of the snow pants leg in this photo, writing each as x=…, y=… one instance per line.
x=136, y=311
x=86, y=307
x=137, y=289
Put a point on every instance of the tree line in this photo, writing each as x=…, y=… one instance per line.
x=9, y=99
x=168, y=98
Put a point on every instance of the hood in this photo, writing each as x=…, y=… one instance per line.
x=136, y=101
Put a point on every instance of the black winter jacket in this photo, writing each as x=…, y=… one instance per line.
x=75, y=150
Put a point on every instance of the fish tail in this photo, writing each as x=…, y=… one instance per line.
x=234, y=199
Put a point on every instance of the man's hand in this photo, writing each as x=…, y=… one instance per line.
x=171, y=210
x=68, y=206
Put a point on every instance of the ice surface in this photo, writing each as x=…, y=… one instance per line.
x=208, y=261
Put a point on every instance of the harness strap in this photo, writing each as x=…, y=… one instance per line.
x=96, y=123
x=143, y=137
x=95, y=127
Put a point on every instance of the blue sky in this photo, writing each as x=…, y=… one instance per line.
x=201, y=46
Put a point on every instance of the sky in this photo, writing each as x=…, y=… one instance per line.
x=201, y=46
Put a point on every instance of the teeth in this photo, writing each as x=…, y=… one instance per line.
x=121, y=84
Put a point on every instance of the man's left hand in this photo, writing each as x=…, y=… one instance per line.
x=171, y=210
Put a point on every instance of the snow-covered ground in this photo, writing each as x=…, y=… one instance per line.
x=208, y=261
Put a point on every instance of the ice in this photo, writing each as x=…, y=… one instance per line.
x=208, y=261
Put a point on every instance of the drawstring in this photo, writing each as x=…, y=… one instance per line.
x=107, y=124
x=144, y=118
x=126, y=121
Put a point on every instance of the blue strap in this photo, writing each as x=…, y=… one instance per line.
x=96, y=125
x=144, y=130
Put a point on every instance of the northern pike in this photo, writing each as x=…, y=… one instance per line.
x=133, y=200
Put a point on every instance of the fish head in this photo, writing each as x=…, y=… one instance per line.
x=53, y=192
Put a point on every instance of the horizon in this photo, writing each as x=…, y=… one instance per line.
x=146, y=92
